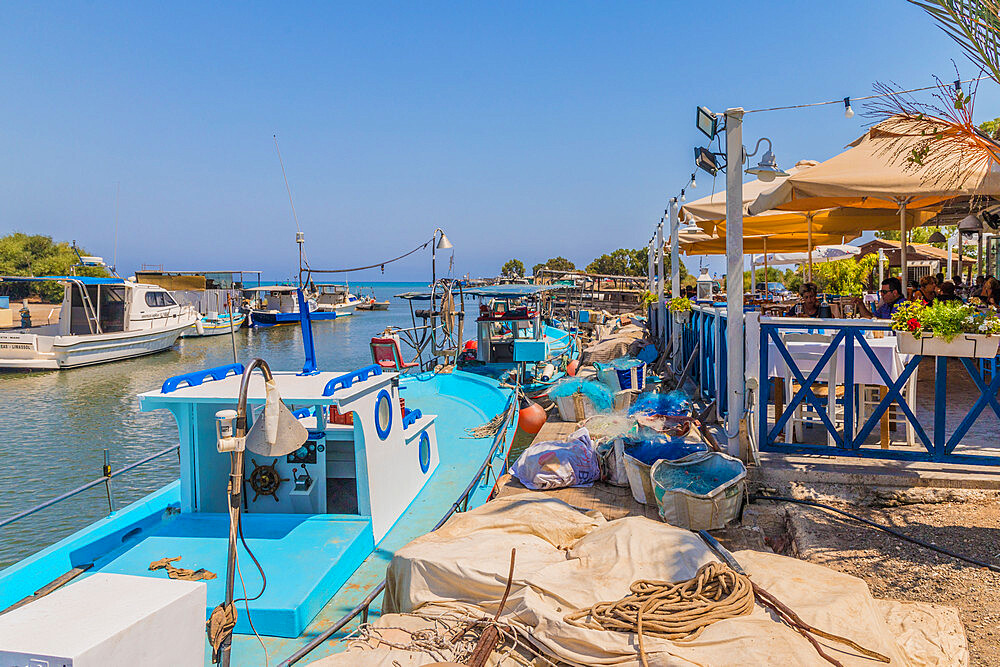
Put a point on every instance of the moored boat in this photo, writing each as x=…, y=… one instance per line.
x=321, y=518
x=279, y=305
x=100, y=320
x=215, y=324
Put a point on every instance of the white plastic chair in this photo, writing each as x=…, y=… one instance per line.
x=806, y=361
x=868, y=400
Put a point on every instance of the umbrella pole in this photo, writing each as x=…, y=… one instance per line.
x=765, y=267
x=809, y=245
x=902, y=241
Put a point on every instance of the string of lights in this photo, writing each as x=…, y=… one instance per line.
x=848, y=111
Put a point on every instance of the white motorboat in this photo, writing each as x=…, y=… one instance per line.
x=100, y=320
x=330, y=297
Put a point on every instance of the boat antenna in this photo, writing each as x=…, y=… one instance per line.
x=299, y=236
x=114, y=260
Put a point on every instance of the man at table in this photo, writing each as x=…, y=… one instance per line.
x=890, y=298
x=809, y=306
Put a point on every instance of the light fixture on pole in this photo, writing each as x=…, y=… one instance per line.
x=848, y=111
x=767, y=169
x=937, y=237
x=441, y=243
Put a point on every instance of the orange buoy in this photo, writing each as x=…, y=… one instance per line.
x=530, y=419
x=572, y=367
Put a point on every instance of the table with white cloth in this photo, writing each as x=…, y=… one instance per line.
x=865, y=372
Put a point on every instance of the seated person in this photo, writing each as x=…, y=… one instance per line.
x=890, y=297
x=809, y=306
x=947, y=292
x=929, y=289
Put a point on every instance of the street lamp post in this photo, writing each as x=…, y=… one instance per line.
x=734, y=277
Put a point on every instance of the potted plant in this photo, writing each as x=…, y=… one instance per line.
x=680, y=308
x=947, y=329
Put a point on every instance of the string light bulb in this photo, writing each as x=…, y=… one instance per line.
x=848, y=111
x=691, y=183
x=683, y=198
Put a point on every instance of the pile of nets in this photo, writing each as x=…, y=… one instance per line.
x=622, y=364
x=675, y=404
x=599, y=394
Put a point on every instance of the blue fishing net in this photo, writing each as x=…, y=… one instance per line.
x=701, y=477
x=622, y=364
x=598, y=393
x=676, y=403
x=671, y=449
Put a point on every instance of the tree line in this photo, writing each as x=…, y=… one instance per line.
x=620, y=262
x=38, y=255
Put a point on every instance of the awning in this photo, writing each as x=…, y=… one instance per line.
x=874, y=173
x=82, y=280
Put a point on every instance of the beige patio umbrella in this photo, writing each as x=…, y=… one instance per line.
x=832, y=222
x=874, y=173
x=713, y=207
x=700, y=243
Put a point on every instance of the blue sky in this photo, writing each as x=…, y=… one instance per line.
x=524, y=130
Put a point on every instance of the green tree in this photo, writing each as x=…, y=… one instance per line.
x=847, y=276
x=773, y=276
x=555, y=264
x=38, y=255
x=991, y=127
x=513, y=268
x=625, y=262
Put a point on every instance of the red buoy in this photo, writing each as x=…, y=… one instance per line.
x=530, y=419
x=472, y=345
x=572, y=367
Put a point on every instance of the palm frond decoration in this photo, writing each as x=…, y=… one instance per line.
x=938, y=138
x=974, y=25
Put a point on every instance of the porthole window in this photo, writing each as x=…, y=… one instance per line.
x=425, y=452
x=383, y=414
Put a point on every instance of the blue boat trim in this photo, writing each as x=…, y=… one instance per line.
x=197, y=377
x=411, y=417
x=347, y=379
x=383, y=430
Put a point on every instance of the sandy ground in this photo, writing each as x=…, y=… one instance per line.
x=41, y=313
x=896, y=569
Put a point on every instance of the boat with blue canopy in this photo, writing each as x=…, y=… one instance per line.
x=321, y=474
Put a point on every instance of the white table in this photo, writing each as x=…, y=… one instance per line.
x=864, y=371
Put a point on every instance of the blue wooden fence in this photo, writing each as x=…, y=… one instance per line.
x=707, y=326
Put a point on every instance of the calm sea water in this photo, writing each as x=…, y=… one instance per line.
x=54, y=426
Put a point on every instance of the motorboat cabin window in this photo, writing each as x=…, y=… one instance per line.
x=159, y=299
x=96, y=309
x=111, y=309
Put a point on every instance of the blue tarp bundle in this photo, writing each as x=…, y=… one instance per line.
x=599, y=394
x=676, y=403
x=622, y=363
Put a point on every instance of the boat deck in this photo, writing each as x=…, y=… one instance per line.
x=317, y=554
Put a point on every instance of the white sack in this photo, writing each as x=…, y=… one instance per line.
x=555, y=465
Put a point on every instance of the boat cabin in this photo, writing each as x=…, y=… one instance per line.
x=278, y=298
x=312, y=516
x=509, y=326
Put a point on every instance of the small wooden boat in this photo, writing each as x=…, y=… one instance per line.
x=215, y=324
x=372, y=304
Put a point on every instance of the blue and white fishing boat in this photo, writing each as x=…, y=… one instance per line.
x=332, y=297
x=511, y=329
x=215, y=324
x=280, y=305
x=319, y=507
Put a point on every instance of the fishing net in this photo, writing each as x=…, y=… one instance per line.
x=675, y=404
x=599, y=394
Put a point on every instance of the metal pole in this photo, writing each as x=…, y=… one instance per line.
x=809, y=245
x=106, y=471
x=766, y=278
x=948, y=272
x=902, y=241
x=734, y=275
x=881, y=267
x=675, y=267
x=649, y=266
x=660, y=310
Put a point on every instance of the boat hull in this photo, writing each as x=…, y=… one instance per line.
x=215, y=327
x=26, y=351
x=268, y=318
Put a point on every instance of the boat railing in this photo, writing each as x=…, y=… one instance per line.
x=107, y=475
x=461, y=504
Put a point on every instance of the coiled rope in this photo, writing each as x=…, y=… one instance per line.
x=681, y=611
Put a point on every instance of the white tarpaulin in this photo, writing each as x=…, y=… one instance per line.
x=567, y=560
